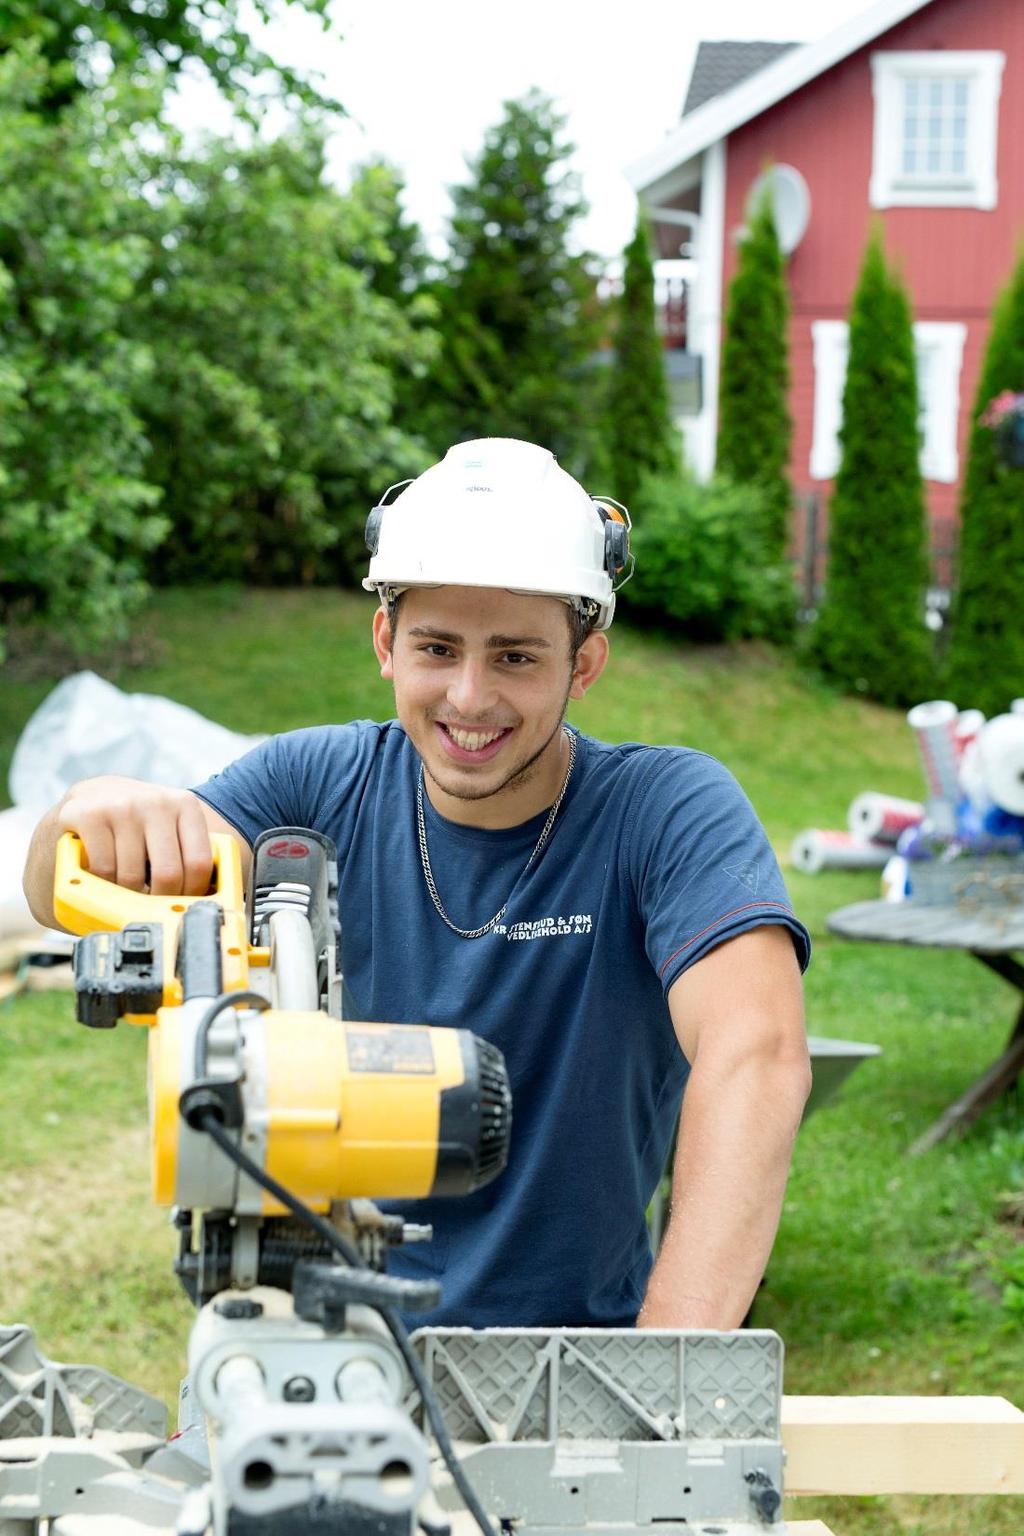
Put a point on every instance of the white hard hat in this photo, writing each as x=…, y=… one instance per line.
x=500, y=513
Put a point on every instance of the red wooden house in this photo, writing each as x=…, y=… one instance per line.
x=913, y=113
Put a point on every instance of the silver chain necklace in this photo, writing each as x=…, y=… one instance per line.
x=545, y=832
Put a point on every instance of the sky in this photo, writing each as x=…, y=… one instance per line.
x=422, y=82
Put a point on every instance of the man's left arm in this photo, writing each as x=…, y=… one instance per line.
x=738, y=1015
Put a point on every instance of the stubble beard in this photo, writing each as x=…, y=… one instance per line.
x=517, y=779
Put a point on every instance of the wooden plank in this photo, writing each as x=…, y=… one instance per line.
x=49, y=978
x=806, y=1528
x=869, y=1445
x=10, y=984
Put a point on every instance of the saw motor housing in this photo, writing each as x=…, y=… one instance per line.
x=332, y=1108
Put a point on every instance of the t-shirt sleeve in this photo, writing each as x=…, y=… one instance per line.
x=703, y=867
x=287, y=781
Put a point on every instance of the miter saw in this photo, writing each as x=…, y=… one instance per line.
x=274, y=1119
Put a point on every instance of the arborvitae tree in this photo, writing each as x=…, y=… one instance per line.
x=518, y=316
x=986, y=657
x=870, y=635
x=641, y=438
x=755, y=428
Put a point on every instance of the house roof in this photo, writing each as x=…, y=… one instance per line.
x=715, y=118
x=719, y=66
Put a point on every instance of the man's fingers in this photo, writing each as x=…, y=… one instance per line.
x=196, y=852
x=161, y=842
x=136, y=834
x=98, y=843
x=131, y=855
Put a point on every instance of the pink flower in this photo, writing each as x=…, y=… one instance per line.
x=1006, y=403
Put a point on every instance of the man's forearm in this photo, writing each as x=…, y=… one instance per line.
x=728, y=1182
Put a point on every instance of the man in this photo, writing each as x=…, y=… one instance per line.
x=612, y=917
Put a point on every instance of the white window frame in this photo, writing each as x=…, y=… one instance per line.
x=831, y=339
x=890, y=186
x=942, y=341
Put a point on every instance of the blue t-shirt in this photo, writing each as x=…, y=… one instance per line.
x=656, y=856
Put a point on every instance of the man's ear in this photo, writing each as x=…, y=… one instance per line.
x=382, y=642
x=590, y=663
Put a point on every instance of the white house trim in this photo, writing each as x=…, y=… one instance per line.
x=975, y=186
x=939, y=345
x=705, y=325
x=939, y=349
x=718, y=117
x=831, y=340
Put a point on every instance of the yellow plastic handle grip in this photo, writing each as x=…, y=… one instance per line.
x=84, y=903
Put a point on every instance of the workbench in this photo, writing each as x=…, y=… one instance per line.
x=991, y=934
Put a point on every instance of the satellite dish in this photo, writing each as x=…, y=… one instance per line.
x=790, y=201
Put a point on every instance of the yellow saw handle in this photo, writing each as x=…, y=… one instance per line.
x=84, y=903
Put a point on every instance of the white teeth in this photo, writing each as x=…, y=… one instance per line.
x=472, y=741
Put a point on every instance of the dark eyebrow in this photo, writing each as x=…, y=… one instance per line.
x=516, y=642
x=494, y=642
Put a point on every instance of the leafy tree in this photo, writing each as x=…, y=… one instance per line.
x=394, y=257
x=396, y=264
x=870, y=634
x=517, y=309
x=641, y=437
x=755, y=429
x=270, y=412
x=76, y=507
x=986, y=657
x=82, y=40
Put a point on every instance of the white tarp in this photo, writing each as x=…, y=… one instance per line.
x=85, y=727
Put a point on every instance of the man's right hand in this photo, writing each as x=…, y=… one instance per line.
x=142, y=836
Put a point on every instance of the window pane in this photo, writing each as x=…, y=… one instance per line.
x=934, y=126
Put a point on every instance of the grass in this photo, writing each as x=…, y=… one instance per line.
x=889, y=1274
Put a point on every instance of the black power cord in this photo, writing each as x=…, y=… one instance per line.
x=210, y=1122
x=216, y=1008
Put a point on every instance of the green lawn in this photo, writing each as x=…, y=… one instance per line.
x=889, y=1275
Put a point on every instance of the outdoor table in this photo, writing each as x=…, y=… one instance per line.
x=991, y=934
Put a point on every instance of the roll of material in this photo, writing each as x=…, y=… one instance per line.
x=894, y=879
x=1000, y=754
x=815, y=850
x=969, y=723
x=972, y=775
x=881, y=818
x=934, y=724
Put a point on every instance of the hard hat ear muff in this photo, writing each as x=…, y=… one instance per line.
x=376, y=517
x=373, y=529
x=616, y=547
x=616, y=536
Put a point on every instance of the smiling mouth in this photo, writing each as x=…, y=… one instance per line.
x=473, y=741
